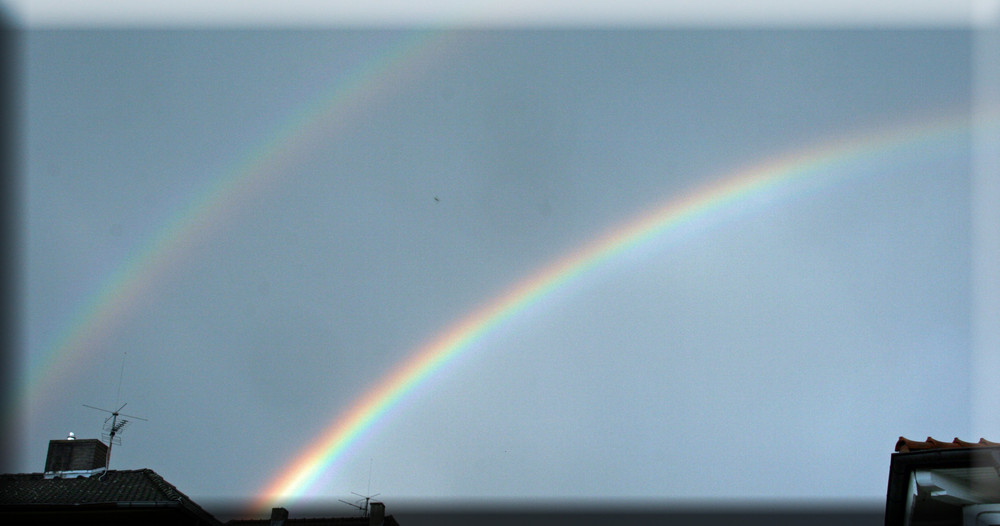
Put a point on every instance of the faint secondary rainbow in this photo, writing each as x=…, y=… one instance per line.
x=771, y=181
x=124, y=289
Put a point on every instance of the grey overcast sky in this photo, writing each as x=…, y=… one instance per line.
x=240, y=232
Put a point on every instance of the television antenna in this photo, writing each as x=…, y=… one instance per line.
x=363, y=508
x=113, y=426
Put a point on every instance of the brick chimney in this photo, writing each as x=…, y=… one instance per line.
x=83, y=454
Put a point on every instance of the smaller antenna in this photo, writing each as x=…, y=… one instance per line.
x=363, y=508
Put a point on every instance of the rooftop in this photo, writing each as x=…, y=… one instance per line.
x=319, y=521
x=114, y=488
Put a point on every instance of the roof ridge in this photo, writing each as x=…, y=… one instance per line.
x=905, y=445
x=169, y=490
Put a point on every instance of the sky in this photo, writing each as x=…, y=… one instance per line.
x=686, y=262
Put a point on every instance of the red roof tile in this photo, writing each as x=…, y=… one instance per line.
x=905, y=445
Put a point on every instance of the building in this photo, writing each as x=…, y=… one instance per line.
x=77, y=488
x=936, y=483
x=279, y=517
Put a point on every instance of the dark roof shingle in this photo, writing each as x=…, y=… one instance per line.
x=120, y=488
x=142, y=485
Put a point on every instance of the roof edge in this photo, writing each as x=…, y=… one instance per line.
x=904, y=445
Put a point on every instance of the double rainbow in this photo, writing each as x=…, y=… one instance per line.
x=771, y=181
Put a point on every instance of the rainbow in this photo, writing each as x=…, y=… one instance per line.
x=217, y=203
x=795, y=174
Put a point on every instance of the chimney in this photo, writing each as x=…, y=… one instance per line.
x=376, y=514
x=278, y=516
x=76, y=454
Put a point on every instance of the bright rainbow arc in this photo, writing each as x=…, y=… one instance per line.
x=216, y=204
x=794, y=174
